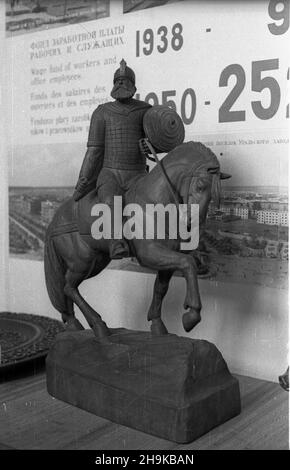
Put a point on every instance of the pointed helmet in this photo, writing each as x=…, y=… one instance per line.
x=125, y=72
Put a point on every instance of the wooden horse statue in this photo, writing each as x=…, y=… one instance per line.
x=72, y=254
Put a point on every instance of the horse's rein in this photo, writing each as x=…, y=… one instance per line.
x=169, y=184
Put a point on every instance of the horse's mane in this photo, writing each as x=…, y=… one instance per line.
x=194, y=155
x=198, y=161
x=187, y=162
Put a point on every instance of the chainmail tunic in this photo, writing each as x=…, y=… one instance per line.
x=117, y=127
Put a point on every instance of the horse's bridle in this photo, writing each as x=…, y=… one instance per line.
x=176, y=196
x=169, y=184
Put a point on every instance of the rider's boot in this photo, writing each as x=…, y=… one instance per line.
x=119, y=249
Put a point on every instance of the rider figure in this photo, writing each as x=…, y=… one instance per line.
x=114, y=158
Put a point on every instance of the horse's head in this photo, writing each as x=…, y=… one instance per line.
x=193, y=171
x=199, y=182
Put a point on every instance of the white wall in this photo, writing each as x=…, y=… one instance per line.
x=248, y=323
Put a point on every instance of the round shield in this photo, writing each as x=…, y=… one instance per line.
x=163, y=127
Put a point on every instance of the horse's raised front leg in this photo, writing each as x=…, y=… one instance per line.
x=154, y=314
x=160, y=257
x=192, y=300
x=73, y=280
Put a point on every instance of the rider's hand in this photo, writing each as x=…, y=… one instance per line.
x=80, y=187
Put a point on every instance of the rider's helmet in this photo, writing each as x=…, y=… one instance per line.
x=124, y=71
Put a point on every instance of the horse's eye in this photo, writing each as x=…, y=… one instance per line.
x=200, y=186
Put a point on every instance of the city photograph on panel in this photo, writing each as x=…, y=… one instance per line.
x=26, y=16
x=41, y=178
x=245, y=239
x=134, y=5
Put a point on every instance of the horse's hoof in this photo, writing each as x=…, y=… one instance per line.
x=190, y=319
x=158, y=328
x=74, y=325
x=284, y=380
x=101, y=330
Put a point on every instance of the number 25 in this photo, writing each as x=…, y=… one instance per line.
x=258, y=85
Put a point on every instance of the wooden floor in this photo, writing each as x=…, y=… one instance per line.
x=32, y=419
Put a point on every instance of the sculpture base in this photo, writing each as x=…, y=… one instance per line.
x=173, y=387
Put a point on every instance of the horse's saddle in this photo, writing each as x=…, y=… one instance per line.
x=84, y=206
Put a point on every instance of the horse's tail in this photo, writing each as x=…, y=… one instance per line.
x=55, y=269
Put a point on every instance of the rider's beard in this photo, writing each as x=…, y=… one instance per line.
x=121, y=92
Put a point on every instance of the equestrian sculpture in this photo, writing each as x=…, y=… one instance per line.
x=173, y=387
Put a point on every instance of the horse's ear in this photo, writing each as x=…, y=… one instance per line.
x=225, y=176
